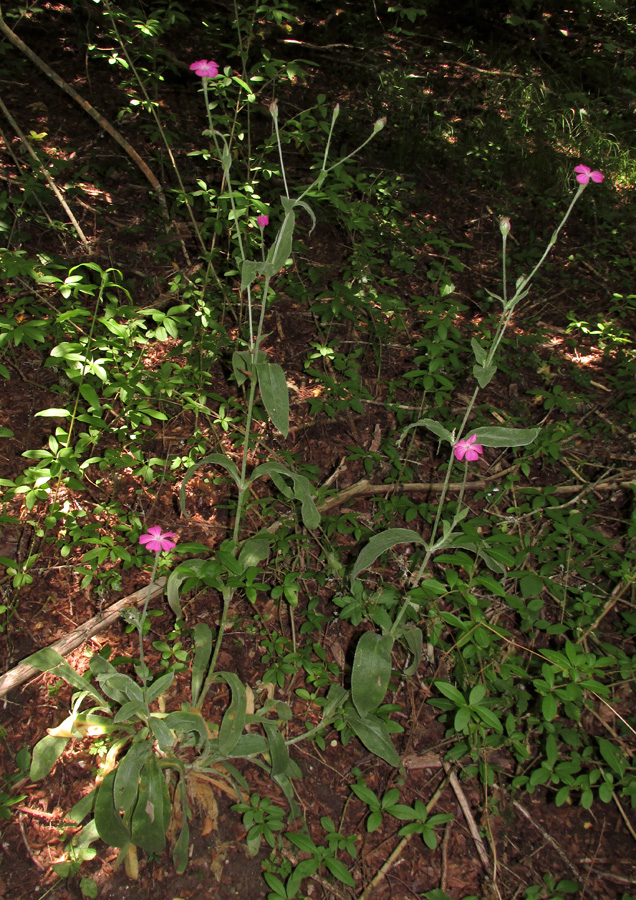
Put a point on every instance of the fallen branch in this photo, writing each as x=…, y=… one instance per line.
x=24, y=672
x=364, y=488
x=92, y=112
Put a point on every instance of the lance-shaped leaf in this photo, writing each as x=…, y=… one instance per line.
x=301, y=490
x=148, y=825
x=382, y=542
x=436, y=427
x=478, y=350
x=371, y=671
x=202, y=652
x=280, y=251
x=46, y=753
x=126, y=785
x=110, y=825
x=484, y=374
x=505, y=437
x=233, y=721
x=251, y=270
x=374, y=734
x=275, y=395
x=49, y=660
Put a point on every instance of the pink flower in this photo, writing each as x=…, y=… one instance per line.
x=584, y=173
x=467, y=449
x=205, y=68
x=156, y=540
x=262, y=221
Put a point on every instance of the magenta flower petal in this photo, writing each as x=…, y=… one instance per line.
x=262, y=221
x=584, y=173
x=205, y=68
x=156, y=540
x=467, y=449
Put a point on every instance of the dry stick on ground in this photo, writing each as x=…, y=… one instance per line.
x=548, y=837
x=49, y=180
x=23, y=672
x=364, y=487
x=92, y=112
x=470, y=820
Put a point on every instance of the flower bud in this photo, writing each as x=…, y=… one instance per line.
x=273, y=109
x=504, y=225
x=379, y=125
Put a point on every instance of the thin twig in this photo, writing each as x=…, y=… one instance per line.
x=92, y=112
x=36, y=862
x=630, y=827
x=548, y=837
x=470, y=820
x=28, y=147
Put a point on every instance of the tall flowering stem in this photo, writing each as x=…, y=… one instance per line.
x=464, y=449
x=156, y=541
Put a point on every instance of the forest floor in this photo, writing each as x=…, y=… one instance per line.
x=529, y=840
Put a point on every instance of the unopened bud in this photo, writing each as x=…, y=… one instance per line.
x=504, y=225
x=379, y=125
x=273, y=109
x=336, y=112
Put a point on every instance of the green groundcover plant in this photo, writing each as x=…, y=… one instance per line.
x=159, y=763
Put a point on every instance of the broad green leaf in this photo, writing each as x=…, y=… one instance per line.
x=108, y=822
x=241, y=365
x=148, y=828
x=160, y=686
x=435, y=427
x=549, y=707
x=119, y=683
x=191, y=568
x=371, y=671
x=414, y=640
x=250, y=271
x=249, y=745
x=214, y=459
x=382, y=542
x=89, y=394
x=281, y=249
x=477, y=694
x=484, y=374
x=126, y=785
x=302, y=491
x=339, y=870
x=478, y=350
x=373, y=733
x=614, y=757
x=53, y=413
x=188, y=723
x=304, y=206
x=82, y=808
x=180, y=853
x=334, y=702
x=202, y=652
x=275, y=395
x=49, y=660
x=255, y=550
x=450, y=691
x=278, y=751
x=129, y=711
x=161, y=733
x=505, y=437
x=46, y=753
x=233, y=721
